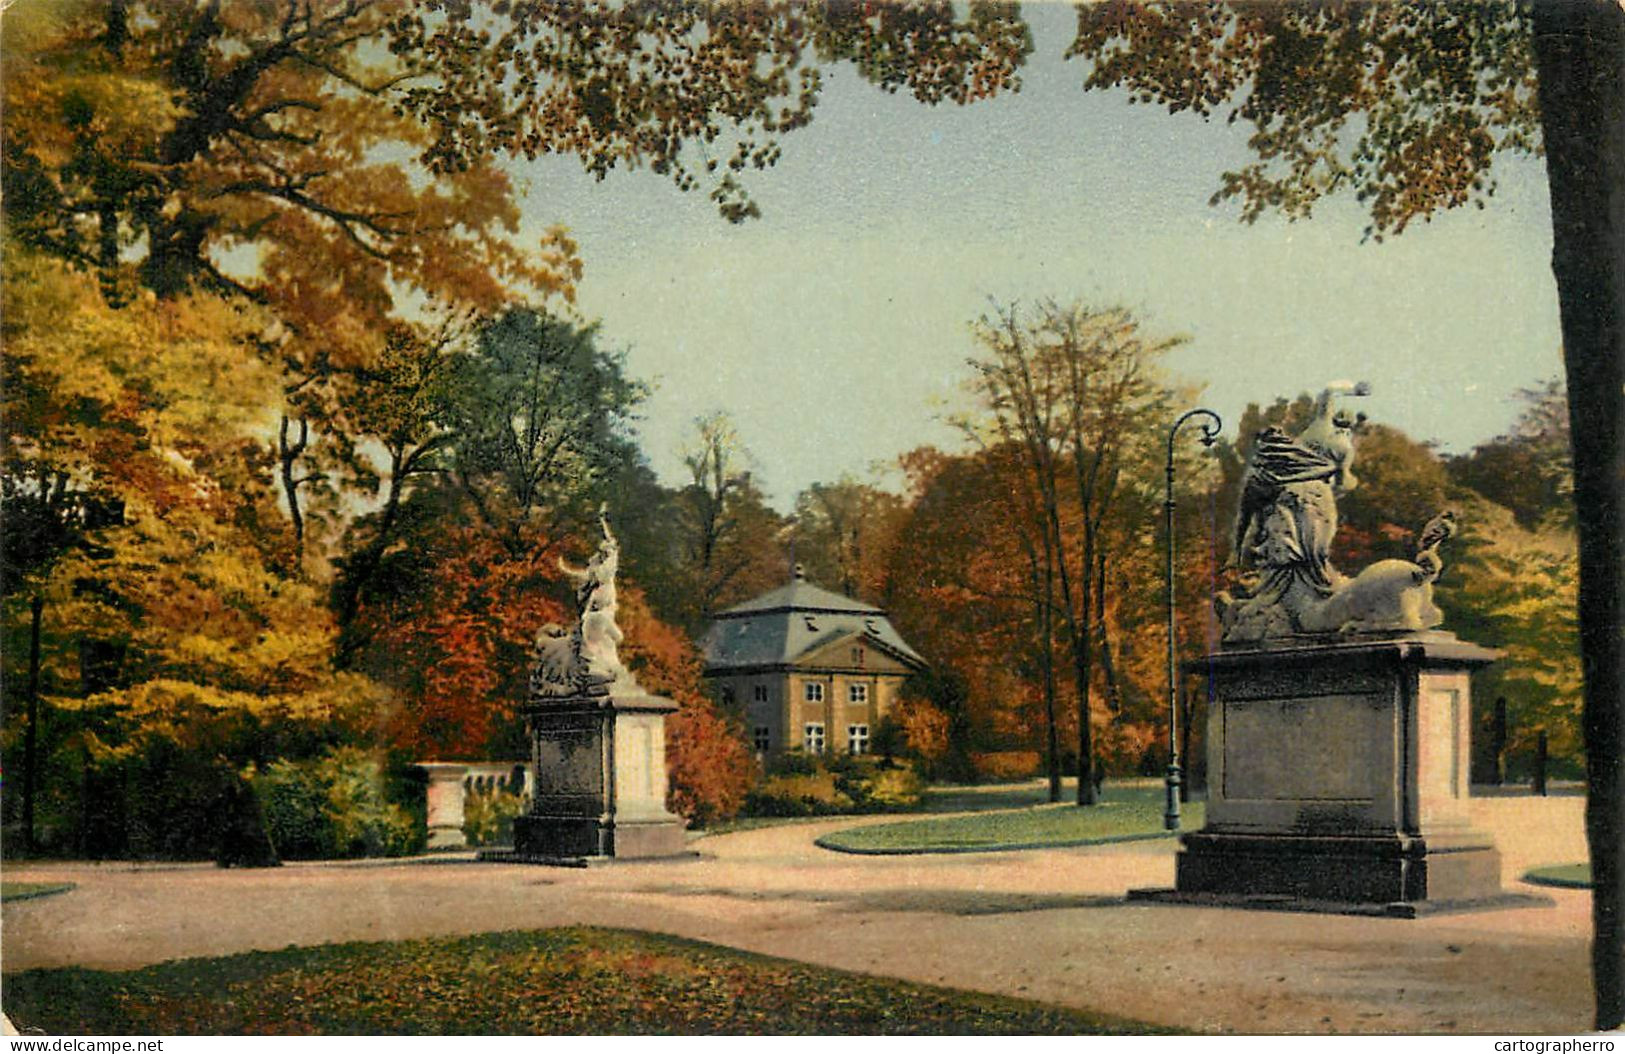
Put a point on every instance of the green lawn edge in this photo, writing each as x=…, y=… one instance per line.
x=244, y=993
x=13, y=891
x=825, y=842
x=1560, y=876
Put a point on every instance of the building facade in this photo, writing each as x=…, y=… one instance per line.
x=811, y=670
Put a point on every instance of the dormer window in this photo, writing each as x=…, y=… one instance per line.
x=812, y=623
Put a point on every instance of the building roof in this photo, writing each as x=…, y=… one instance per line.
x=785, y=624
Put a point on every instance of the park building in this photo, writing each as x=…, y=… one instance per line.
x=809, y=669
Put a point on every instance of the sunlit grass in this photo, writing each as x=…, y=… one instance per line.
x=1566, y=876
x=1124, y=814
x=577, y=981
x=10, y=891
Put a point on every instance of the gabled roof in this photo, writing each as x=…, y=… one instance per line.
x=785, y=624
x=799, y=595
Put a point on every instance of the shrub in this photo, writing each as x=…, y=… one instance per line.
x=1006, y=764
x=812, y=795
x=488, y=816
x=793, y=763
x=838, y=785
x=334, y=806
x=896, y=789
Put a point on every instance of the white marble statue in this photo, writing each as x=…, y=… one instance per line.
x=586, y=659
x=1284, y=530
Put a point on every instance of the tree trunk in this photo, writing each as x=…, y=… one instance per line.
x=288, y=452
x=1580, y=58
x=36, y=607
x=1082, y=654
x=1046, y=657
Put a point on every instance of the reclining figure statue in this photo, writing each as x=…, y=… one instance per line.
x=1284, y=529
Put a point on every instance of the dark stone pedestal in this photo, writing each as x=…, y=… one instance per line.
x=600, y=780
x=1337, y=773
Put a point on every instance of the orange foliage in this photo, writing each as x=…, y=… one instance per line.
x=455, y=645
x=709, y=765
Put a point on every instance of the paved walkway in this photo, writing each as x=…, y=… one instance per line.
x=1048, y=925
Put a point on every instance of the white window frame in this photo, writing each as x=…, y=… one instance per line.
x=857, y=694
x=812, y=737
x=813, y=692
x=762, y=738
x=857, y=739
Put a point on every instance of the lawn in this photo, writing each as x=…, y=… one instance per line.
x=1564, y=876
x=10, y=891
x=1126, y=813
x=577, y=981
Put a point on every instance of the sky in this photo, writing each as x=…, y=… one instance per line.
x=835, y=329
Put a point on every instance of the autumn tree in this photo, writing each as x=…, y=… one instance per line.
x=730, y=543
x=843, y=534
x=171, y=621
x=1077, y=391
x=1530, y=468
x=969, y=589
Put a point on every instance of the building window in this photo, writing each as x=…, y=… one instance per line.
x=857, y=657
x=812, y=737
x=759, y=693
x=814, y=693
x=857, y=693
x=727, y=695
x=762, y=738
x=857, y=739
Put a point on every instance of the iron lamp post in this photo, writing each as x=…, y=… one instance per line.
x=1210, y=434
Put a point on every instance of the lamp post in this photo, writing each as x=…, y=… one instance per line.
x=1210, y=433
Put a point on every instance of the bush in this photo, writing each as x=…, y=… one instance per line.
x=833, y=787
x=812, y=795
x=896, y=789
x=488, y=816
x=334, y=807
x=794, y=763
x=1007, y=764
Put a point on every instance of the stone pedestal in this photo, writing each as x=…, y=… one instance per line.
x=445, y=804
x=1338, y=772
x=600, y=779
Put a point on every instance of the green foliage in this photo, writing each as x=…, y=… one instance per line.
x=488, y=816
x=540, y=413
x=804, y=785
x=334, y=807
x=1530, y=469
x=543, y=982
x=1516, y=590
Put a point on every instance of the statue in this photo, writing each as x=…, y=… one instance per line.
x=1284, y=529
x=584, y=660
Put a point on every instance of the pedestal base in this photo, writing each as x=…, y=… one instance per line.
x=1337, y=775
x=600, y=780
x=1347, y=870
x=578, y=836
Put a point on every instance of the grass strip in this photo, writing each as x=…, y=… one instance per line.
x=10, y=891
x=1563, y=876
x=1132, y=815
x=575, y=981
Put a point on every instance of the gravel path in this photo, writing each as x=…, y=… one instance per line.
x=1048, y=925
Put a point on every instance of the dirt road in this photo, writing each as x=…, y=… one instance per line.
x=1050, y=925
